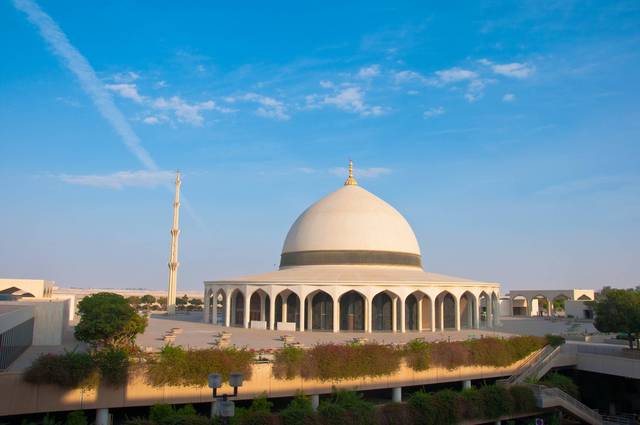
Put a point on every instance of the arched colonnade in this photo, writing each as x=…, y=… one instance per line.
x=352, y=308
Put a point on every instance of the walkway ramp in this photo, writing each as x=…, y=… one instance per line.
x=554, y=397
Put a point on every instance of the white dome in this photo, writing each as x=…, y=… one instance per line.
x=352, y=220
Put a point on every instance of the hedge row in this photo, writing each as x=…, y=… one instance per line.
x=177, y=366
x=80, y=370
x=349, y=408
x=173, y=366
x=338, y=362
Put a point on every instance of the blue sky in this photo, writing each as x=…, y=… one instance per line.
x=507, y=134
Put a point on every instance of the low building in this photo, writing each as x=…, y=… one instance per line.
x=547, y=302
x=26, y=288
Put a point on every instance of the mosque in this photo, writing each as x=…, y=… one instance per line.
x=351, y=263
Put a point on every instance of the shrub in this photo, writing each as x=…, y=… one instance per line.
x=490, y=352
x=113, y=364
x=68, y=370
x=562, y=382
x=298, y=412
x=338, y=362
x=450, y=355
x=417, y=354
x=445, y=406
x=288, y=362
x=422, y=409
x=258, y=413
x=523, y=399
x=393, y=414
x=554, y=340
x=164, y=414
x=346, y=408
x=176, y=366
x=76, y=418
x=496, y=401
x=469, y=404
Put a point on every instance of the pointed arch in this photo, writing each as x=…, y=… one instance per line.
x=468, y=307
x=237, y=308
x=446, y=310
x=319, y=312
x=352, y=311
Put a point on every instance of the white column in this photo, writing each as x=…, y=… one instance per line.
x=396, y=395
x=301, y=317
x=457, y=309
x=394, y=314
x=206, y=305
x=432, y=304
x=227, y=309
x=310, y=315
x=402, y=319
x=466, y=384
x=247, y=311
x=272, y=312
x=420, y=313
x=367, y=315
x=102, y=416
x=315, y=401
x=336, y=314
x=441, y=314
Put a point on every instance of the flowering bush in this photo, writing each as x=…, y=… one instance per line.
x=288, y=362
x=417, y=354
x=177, y=366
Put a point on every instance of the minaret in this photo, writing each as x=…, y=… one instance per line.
x=173, y=259
x=351, y=181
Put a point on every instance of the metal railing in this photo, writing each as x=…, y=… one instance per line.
x=568, y=402
x=530, y=363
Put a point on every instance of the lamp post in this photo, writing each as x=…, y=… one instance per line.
x=224, y=408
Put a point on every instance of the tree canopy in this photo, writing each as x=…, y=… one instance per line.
x=107, y=320
x=148, y=299
x=618, y=310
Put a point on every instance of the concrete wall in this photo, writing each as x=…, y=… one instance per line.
x=20, y=397
x=12, y=315
x=577, y=309
x=51, y=319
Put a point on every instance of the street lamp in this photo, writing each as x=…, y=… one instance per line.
x=224, y=408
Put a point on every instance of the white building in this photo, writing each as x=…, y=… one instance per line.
x=540, y=302
x=351, y=262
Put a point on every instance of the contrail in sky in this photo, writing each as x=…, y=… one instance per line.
x=91, y=84
x=85, y=73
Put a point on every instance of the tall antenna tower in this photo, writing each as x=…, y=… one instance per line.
x=173, y=258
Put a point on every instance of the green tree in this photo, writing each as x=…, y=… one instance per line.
x=183, y=300
x=618, y=310
x=134, y=301
x=195, y=301
x=162, y=301
x=107, y=320
x=148, y=299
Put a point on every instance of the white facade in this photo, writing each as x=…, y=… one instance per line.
x=539, y=302
x=36, y=288
x=351, y=262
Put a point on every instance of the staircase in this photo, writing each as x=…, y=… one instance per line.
x=535, y=368
x=554, y=397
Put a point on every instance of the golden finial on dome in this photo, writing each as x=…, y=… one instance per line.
x=351, y=181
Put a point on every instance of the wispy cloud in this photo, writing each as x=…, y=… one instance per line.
x=369, y=72
x=125, y=77
x=513, y=69
x=454, y=75
x=434, y=112
x=126, y=90
x=509, y=97
x=184, y=111
x=87, y=77
x=268, y=107
x=122, y=179
x=349, y=99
